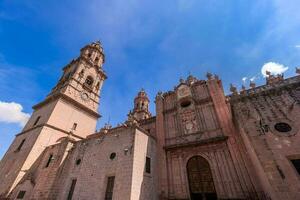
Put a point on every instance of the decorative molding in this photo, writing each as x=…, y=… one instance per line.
x=49, y=126
x=70, y=100
x=286, y=84
x=197, y=143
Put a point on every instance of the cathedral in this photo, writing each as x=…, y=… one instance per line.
x=199, y=145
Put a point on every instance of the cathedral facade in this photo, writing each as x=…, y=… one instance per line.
x=201, y=144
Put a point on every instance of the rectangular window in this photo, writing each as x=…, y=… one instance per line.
x=72, y=188
x=20, y=145
x=148, y=165
x=296, y=163
x=109, y=188
x=74, y=126
x=49, y=160
x=37, y=120
x=21, y=194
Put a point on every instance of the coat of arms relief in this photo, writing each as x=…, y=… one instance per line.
x=187, y=110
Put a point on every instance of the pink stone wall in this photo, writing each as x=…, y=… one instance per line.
x=270, y=149
x=204, y=127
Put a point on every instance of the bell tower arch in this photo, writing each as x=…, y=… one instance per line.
x=69, y=110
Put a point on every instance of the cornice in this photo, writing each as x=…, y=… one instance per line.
x=68, y=84
x=49, y=126
x=286, y=84
x=120, y=129
x=68, y=99
x=148, y=120
x=197, y=143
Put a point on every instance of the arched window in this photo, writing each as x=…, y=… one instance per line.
x=89, y=81
x=98, y=86
x=81, y=73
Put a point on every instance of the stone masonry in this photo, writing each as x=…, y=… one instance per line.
x=201, y=144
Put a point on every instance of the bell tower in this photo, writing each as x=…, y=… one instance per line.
x=69, y=110
x=82, y=78
x=141, y=106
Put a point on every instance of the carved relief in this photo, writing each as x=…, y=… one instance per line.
x=183, y=91
x=189, y=122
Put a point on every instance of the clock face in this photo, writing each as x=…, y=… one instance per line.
x=84, y=96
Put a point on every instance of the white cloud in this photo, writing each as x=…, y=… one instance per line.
x=11, y=112
x=244, y=79
x=297, y=46
x=274, y=68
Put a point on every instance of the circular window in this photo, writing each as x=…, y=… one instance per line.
x=185, y=103
x=283, y=127
x=78, y=161
x=112, y=156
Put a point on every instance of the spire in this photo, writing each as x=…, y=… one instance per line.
x=233, y=89
x=252, y=84
x=141, y=106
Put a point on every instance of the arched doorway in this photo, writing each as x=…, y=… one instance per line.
x=200, y=179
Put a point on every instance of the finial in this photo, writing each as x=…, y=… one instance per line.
x=105, y=128
x=233, y=89
x=252, y=84
x=217, y=77
x=243, y=90
x=273, y=79
x=159, y=95
x=191, y=79
x=209, y=75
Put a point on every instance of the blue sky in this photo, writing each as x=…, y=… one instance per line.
x=148, y=44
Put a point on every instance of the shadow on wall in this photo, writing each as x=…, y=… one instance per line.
x=149, y=183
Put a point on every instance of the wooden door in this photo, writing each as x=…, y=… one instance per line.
x=200, y=179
